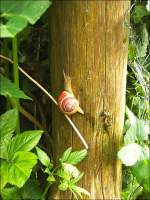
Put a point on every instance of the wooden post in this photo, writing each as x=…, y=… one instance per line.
x=89, y=40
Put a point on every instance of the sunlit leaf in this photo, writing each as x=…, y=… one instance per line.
x=25, y=141
x=17, y=14
x=10, y=89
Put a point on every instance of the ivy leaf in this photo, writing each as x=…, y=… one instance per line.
x=19, y=169
x=51, y=179
x=8, y=193
x=9, y=89
x=43, y=157
x=8, y=122
x=139, y=12
x=18, y=14
x=25, y=141
x=130, y=154
x=142, y=173
x=74, y=157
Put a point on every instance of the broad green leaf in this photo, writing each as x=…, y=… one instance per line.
x=19, y=169
x=25, y=141
x=139, y=12
x=16, y=15
x=32, y=190
x=136, y=132
x=66, y=154
x=43, y=157
x=132, y=118
x=130, y=154
x=11, y=192
x=76, y=157
x=8, y=122
x=142, y=173
x=9, y=89
x=4, y=167
x=71, y=170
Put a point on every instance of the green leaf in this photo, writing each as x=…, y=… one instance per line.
x=8, y=193
x=18, y=14
x=139, y=12
x=32, y=190
x=75, y=157
x=80, y=190
x=8, y=122
x=19, y=169
x=51, y=179
x=9, y=89
x=130, y=154
x=136, y=132
x=71, y=170
x=142, y=173
x=63, y=186
x=132, y=51
x=143, y=42
x=25, y=141
x=43, y=157
x=66, y=154
x=3, y=174
x=63, y=174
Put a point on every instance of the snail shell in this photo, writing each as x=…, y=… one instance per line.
x=67, y=103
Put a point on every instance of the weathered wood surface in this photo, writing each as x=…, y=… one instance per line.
x=89, y=39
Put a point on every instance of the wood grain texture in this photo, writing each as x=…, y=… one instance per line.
x=89, y=40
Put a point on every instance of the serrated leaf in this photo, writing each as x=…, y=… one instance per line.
x=66, y=154
x=43, y=157
x=8, y=122
x=10, y=89
x=80, y=190
x=8, y=193
x=76, y=157
x=18, y=14
x=19, y=169
x=25, y=141
x=130, y=154
x=32, y=190
x=75, y=180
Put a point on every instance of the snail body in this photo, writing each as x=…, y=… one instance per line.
x=68, y=104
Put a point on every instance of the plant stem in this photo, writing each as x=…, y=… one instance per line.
x=16, y=78
x=45, y=191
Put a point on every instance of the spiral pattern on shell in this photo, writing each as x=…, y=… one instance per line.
x=68, y=103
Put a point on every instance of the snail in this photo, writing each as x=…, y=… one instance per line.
x=67, y=102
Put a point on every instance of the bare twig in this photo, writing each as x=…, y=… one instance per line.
x=51, y=97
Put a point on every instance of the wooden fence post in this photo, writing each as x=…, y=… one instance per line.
x=89, y=40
